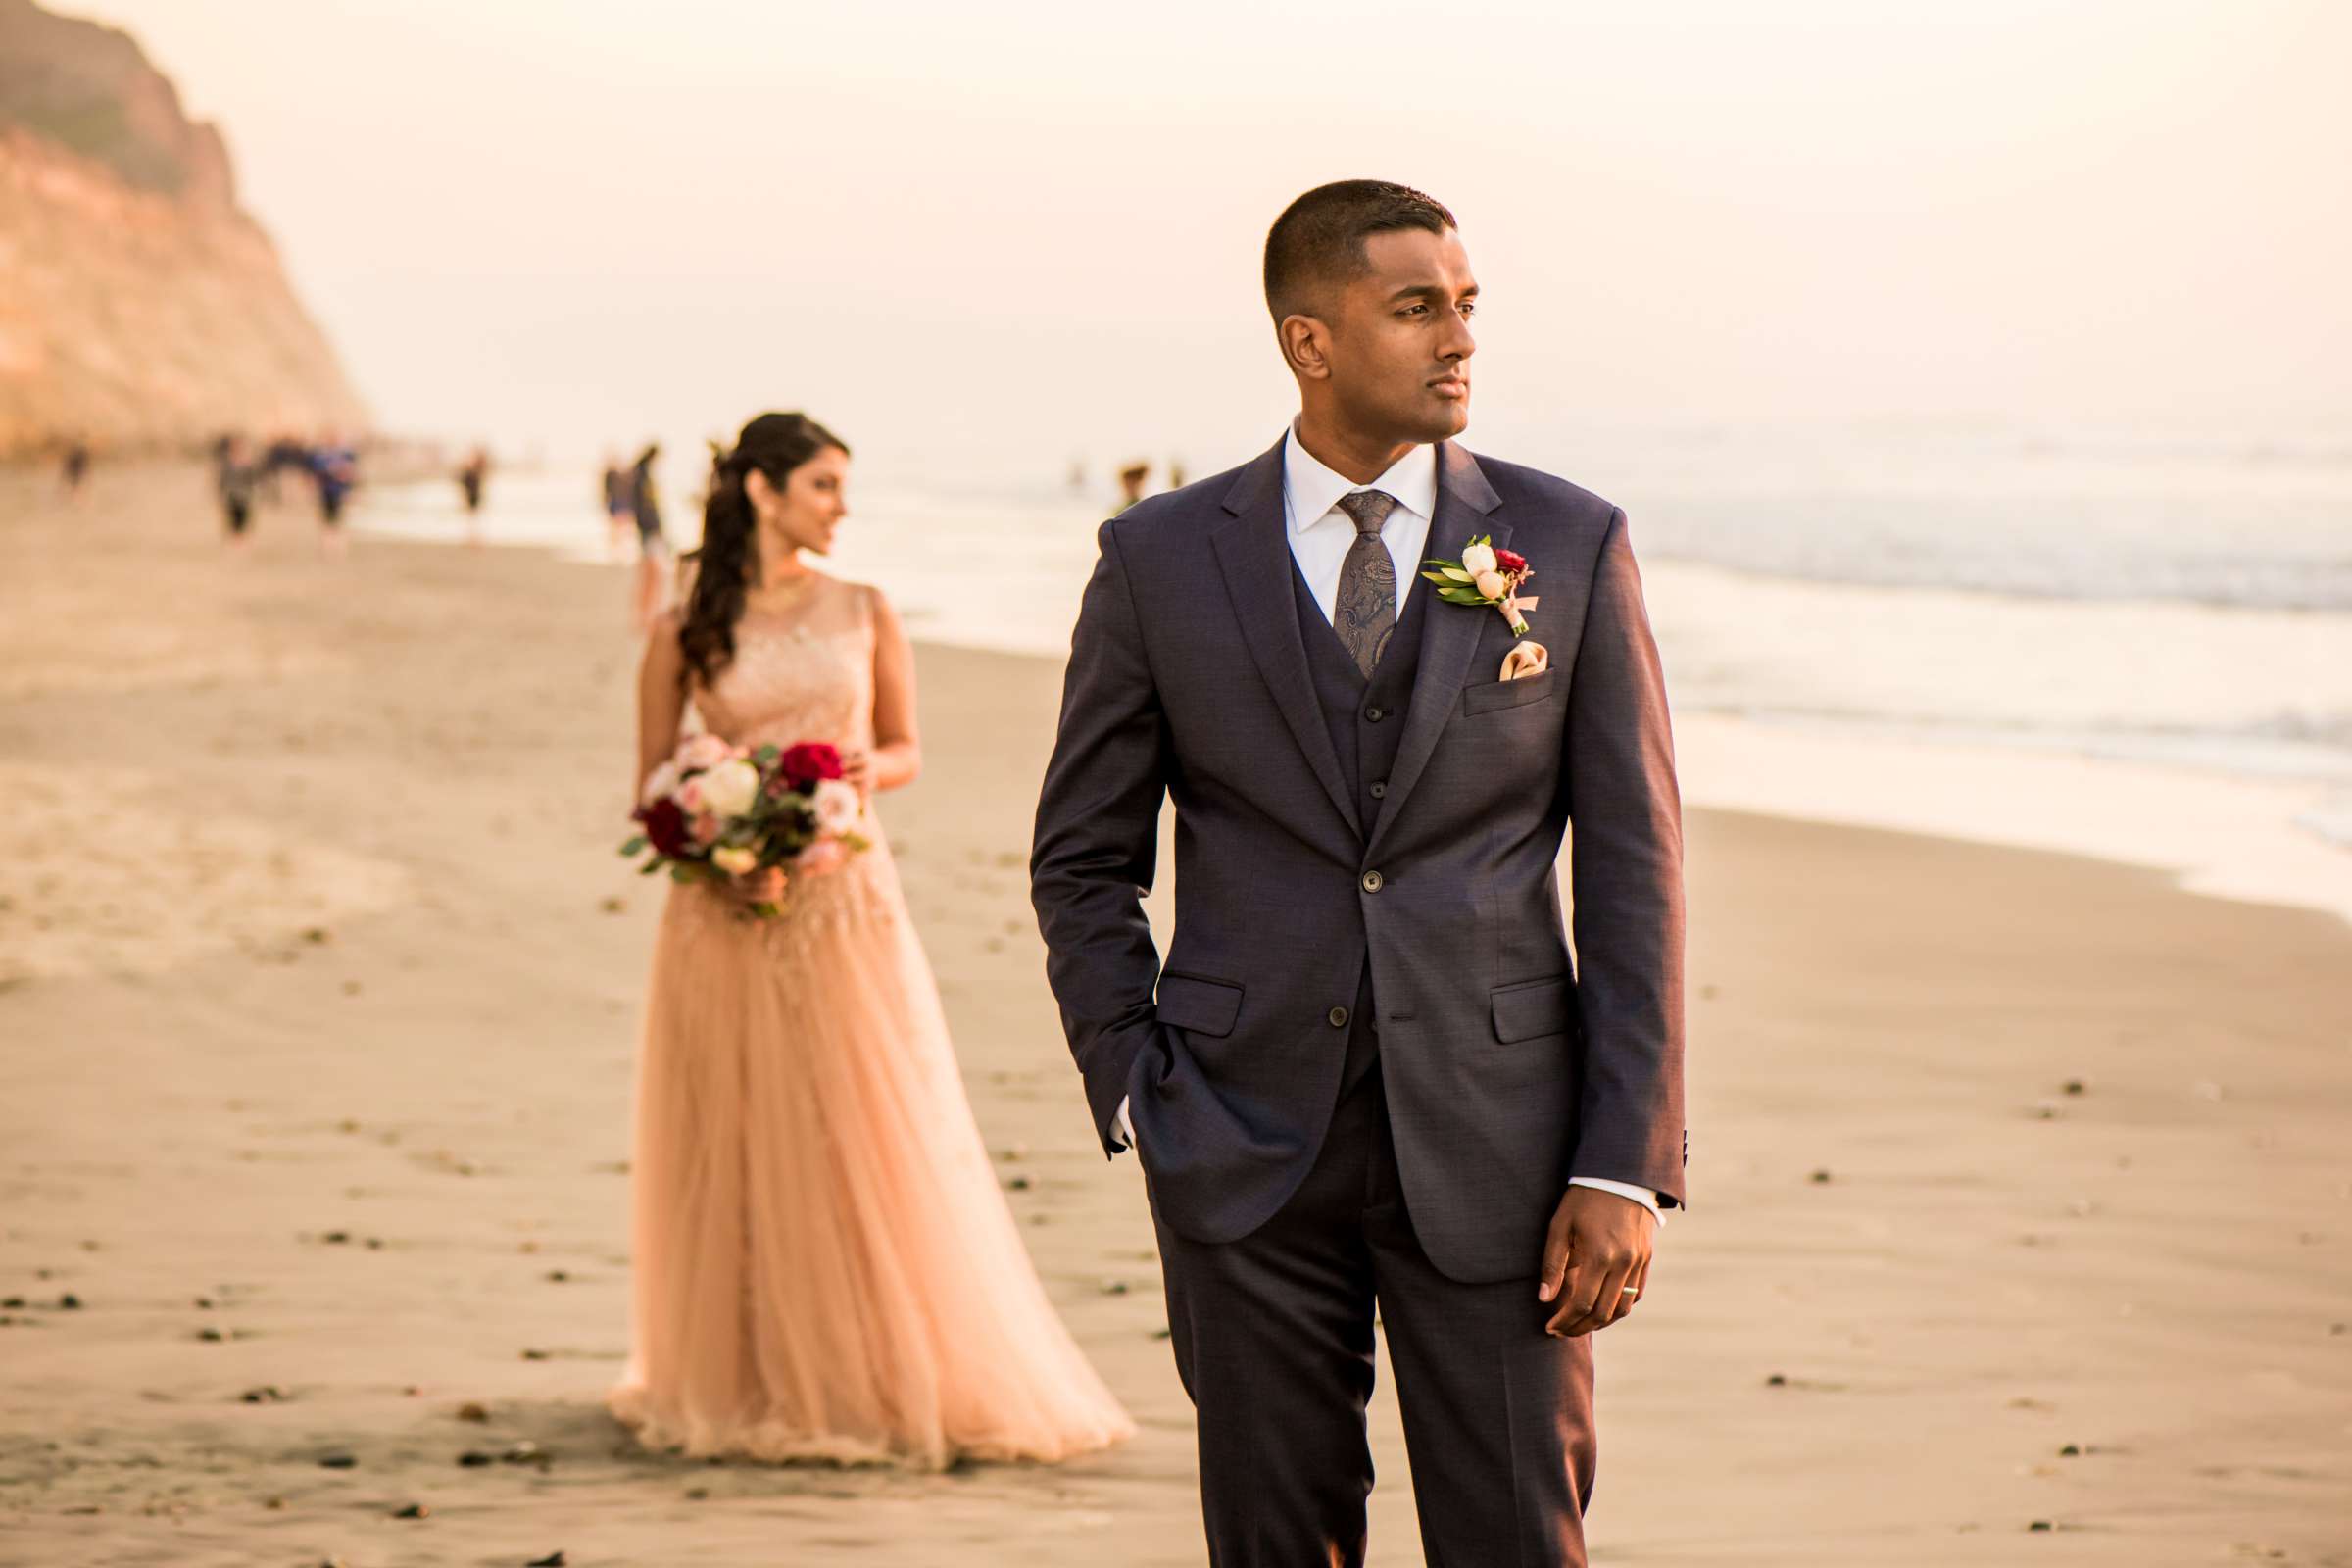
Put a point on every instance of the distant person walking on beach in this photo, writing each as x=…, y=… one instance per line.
x=619, y=514
x=1131, y=484
x=75, y=472
x=236, y=480
x=826, y=1267
x=335, y=469
x=652, y=545
x=472, y=476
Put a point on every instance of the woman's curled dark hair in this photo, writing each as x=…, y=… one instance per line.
x=728, y=561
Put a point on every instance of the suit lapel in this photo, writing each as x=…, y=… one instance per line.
x=1450, y=633
x=1253, y=550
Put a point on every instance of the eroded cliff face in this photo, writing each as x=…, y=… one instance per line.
x=139, y=306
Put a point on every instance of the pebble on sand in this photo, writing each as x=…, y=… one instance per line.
x=553, y=1559
x=415, y=1510
x=475, y=1459
x=470, y=1411
x=338, y=1462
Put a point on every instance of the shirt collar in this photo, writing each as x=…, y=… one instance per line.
x=1313, y=489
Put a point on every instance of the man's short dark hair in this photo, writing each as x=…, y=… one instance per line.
x=1319, y=239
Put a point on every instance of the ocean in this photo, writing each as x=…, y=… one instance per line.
x=2124, y=644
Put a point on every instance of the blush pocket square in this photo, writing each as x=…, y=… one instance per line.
x=1524, y=660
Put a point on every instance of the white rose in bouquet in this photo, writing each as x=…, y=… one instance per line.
x=836, y=805
x=1477, y=558
x=734, y=859
x=730, y=788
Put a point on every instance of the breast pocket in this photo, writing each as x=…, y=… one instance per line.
x=1496, y=694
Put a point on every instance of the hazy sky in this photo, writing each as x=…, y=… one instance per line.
x=1033, y=230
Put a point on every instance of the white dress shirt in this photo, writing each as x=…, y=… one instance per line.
x=1320, y=535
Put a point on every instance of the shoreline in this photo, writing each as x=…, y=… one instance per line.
x=2222, y=830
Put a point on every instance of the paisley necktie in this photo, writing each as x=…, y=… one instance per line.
x=1365, y=613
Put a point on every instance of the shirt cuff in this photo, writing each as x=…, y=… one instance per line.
x=1640, y=1195
x=1126, y=1127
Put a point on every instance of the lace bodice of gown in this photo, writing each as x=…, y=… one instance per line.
x=804, y=671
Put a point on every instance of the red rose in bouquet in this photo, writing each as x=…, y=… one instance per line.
x=665, y=824
x=808, y=764
x=1510, y=562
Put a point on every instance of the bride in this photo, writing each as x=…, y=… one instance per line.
x=826, y=1267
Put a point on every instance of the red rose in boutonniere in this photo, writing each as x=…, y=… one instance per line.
x=1486, y=575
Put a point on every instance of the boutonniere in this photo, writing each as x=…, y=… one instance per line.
x=1486, y=575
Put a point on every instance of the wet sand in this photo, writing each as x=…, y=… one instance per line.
x=2021, y=1185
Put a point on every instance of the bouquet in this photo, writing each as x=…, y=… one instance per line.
x=717, y=813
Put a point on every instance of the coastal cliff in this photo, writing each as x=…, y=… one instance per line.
x=140, y=306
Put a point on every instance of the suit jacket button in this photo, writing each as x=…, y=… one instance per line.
x=1373, y=881
x=1380, y=790
x=1376, y=715
x=1339, y=1017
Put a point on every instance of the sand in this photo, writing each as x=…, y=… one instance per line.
x=2021, y=1184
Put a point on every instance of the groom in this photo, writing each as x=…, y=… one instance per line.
x=1368, y=1073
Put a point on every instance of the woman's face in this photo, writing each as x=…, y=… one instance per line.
x=804, y=512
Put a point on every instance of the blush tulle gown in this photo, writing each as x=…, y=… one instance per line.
x=826, y=1267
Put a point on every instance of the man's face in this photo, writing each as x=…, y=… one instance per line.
x=1400, y=340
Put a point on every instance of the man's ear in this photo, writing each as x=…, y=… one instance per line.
x=1306, y=345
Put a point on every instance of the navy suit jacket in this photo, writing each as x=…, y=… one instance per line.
x=1507, y=1067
